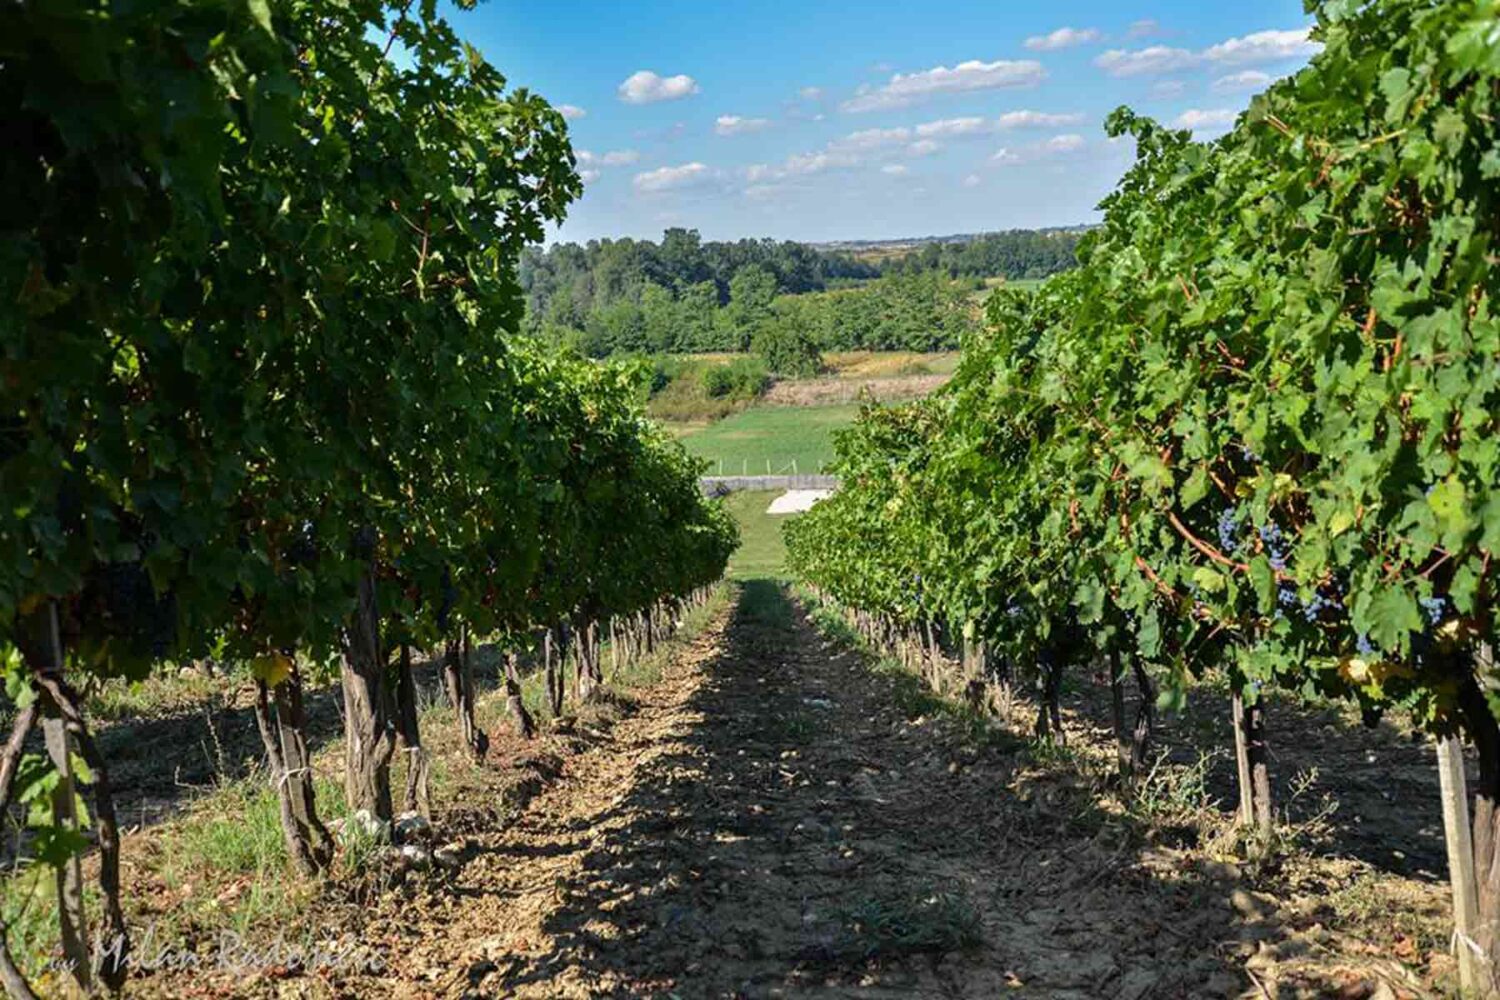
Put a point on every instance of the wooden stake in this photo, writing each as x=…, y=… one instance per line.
x=1242, y=760
x=1450, y=758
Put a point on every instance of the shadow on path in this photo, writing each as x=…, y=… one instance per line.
x=786, y=829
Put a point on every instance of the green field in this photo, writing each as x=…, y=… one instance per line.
x=762, y=551
x=770, y=440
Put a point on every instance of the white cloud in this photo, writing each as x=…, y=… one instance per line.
x=800, y=164
x=810, y=93
x=1258, y=47
x=816, y=163
x=872, y=138
x=571, y=111
x=952, y=128
x=668, y=178
x=904, y=89
x=1248, y=79
x=1062, y=38
x=1058, y=145
x=1036, y=119
x=1144, y=28
x=589, y=176
x=923, y=147
x=614, y=158
x=1145, y=62
x=645, y=87
x=948, y=127
x=894, y=169
x=735, y=125
x=973, y=180
x=1263, y=46
x=1210, y=120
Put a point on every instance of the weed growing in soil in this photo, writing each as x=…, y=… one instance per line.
x=1175, y=793
x=908, y=923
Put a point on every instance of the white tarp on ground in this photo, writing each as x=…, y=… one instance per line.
x=796, y=501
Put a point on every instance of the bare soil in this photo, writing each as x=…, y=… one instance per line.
x=833, y=390
x=775, y=819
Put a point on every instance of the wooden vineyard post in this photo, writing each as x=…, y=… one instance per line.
x=72, y=919
x=1450, y=759
x=70, y=911
x=1242, y=759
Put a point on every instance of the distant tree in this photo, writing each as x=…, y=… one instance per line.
x=660, y=319
x=751, y=293
x=786, y=348
x=616, y=328
x=697, y=307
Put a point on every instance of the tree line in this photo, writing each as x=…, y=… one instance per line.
x=264, y=397
x=1255, y=432
x=922, y=311
x=1019, y=253
x=686, y=295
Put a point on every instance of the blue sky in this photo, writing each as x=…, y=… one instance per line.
x=817, y=120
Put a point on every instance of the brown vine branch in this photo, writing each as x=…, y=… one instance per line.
x=1204, y=547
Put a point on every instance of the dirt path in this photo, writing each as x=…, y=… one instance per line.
x=771, y=822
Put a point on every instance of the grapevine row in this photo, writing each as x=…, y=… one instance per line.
x=1254, y=432
x=261, y=399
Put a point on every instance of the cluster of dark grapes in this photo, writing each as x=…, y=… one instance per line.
x=1323, y=599
x=1436, y=607
x=1229, y=526
x=1314, y=607
x=1271, y=538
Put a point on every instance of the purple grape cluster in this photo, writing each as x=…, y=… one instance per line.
x=1435, y=607
x=1271, y=537
x=1228, y=528
x=1315, y=606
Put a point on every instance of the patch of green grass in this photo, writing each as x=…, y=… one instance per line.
x=765, y=603
x=685, y=398
x=168, y=690
x=1174, y=793
x=907, y=923
x=762, y=551
x=771, y=440
x=223, y=863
